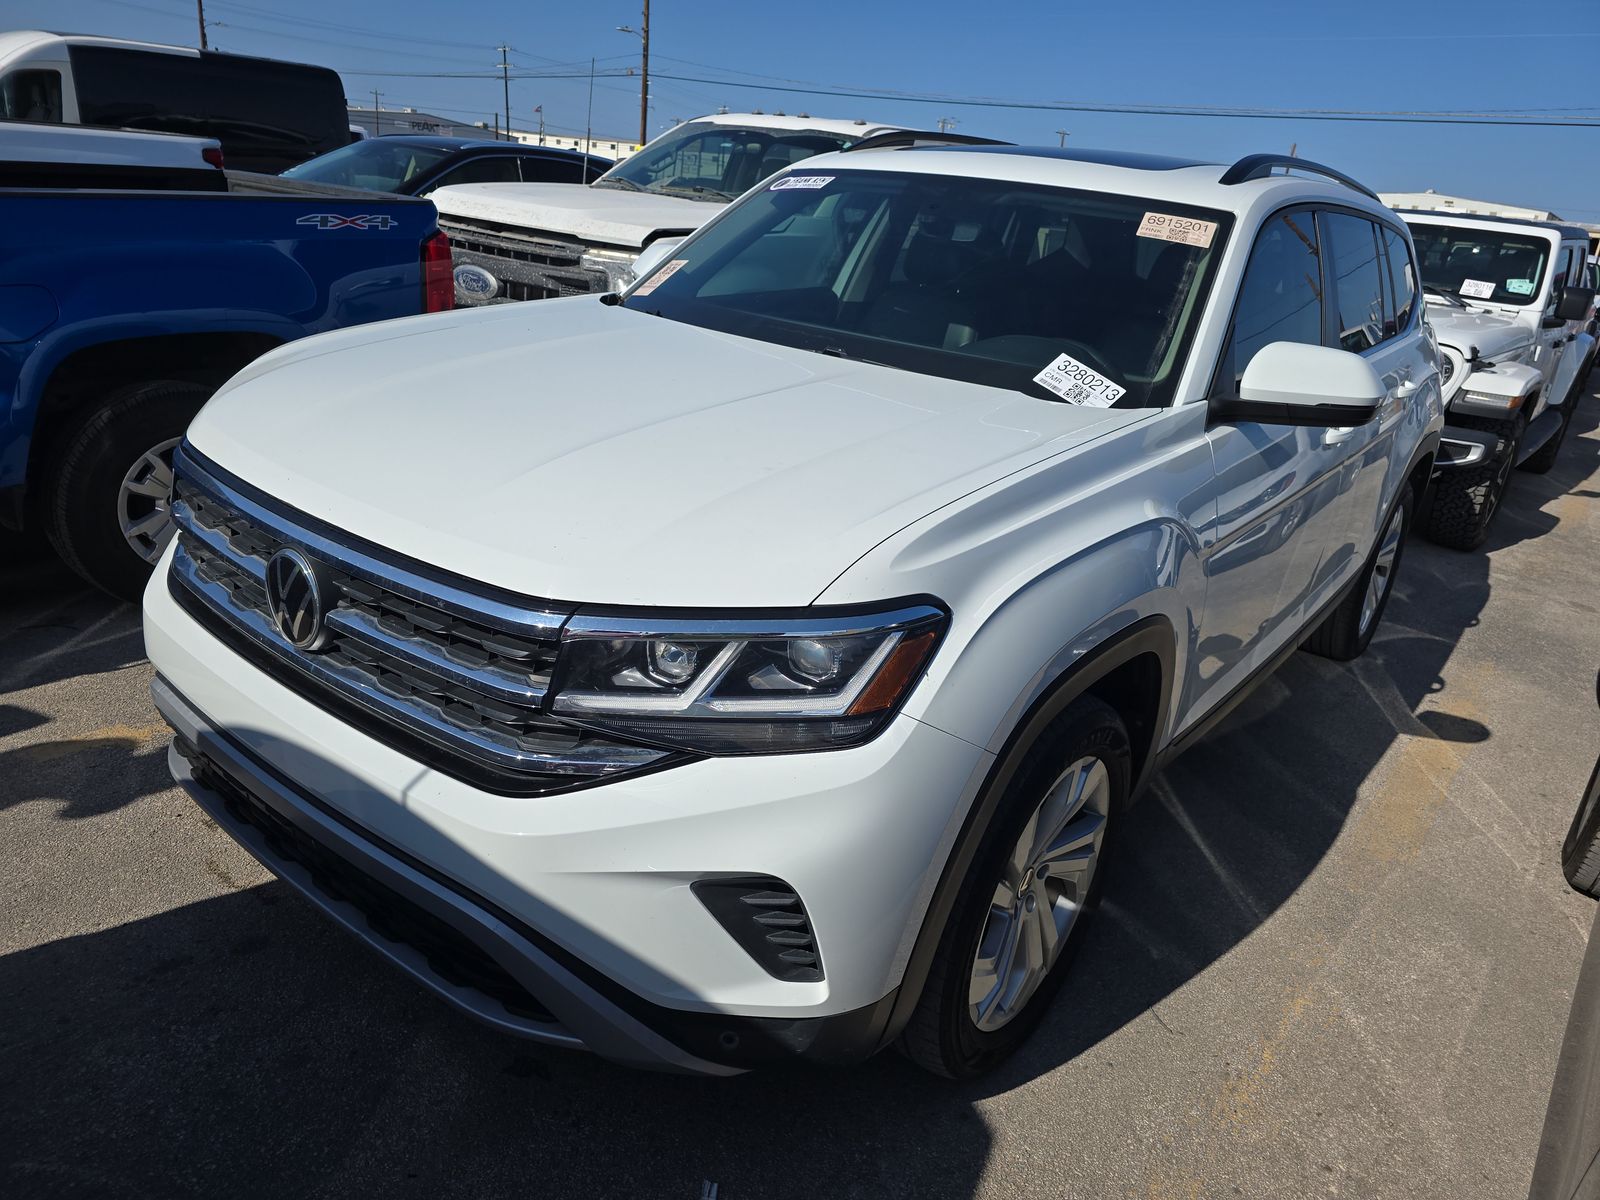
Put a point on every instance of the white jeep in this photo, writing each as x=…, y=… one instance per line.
x=1510, y=303
x=534, y=241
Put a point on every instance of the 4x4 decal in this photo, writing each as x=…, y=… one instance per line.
x=338, y=221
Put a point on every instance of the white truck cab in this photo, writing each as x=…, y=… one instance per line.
x=1510, y=302
x=519, y=241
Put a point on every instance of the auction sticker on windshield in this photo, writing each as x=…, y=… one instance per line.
x=1476, y=288
x=660, y=277
x=790, y=183
x=1078, y=384
x=1184, y=230
x=1520, y=287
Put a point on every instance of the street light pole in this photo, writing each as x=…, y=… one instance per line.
x=1063, y=134
x=376, y=119
x=643, y=34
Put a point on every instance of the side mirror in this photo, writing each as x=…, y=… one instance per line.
x=1288, y=383
x=654, y=255
x=1573, y=303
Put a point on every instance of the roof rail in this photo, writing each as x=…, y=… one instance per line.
x=906, y=138
x=1260, y=166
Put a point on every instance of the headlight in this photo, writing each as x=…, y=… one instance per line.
x=1452, y=371
x=744, y=686
x=615, y=265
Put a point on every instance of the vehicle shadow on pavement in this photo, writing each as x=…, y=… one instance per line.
x=54, y=626
x=242, y=1045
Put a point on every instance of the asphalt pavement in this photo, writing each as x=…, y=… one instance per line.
x=1335, y=959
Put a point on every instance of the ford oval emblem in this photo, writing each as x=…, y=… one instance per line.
x=474, y=284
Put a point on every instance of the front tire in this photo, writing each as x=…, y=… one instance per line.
x=1465, y=499
x=108, y=505
x=1021, y=911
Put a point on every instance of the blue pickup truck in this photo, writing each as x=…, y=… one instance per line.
x=121, y=312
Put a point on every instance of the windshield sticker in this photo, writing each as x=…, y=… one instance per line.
x=1476, y=288
x=1184, y=230
x=660, y=277
x=1078, y=384
x=1520, y=287
x=791, y=182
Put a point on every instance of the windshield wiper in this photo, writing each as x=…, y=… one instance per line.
x=696, y=191
x=626, y=185
x=1445, y=294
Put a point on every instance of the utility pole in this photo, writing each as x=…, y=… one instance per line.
x=505, y=81
x=1063, y=134
x=376, y=119
x=539, y=109
x=643, y=34
x=945, y=124
x=200, y=7
x=588, y=132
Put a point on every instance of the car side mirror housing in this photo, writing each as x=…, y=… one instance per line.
x=654, y=255
x=1574, y=302
x=1288, y=383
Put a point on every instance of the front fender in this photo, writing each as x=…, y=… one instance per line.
x=1496, y=393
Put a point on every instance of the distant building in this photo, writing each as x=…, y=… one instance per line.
x=613, y=148
x=1432, y=201
x=409, y=120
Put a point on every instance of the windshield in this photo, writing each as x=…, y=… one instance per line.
x=716, y=162
x=377, y=163
x=973, y=279
x=1481, y=264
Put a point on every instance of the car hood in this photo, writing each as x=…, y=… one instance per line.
x=598, y=215
x=1491, y=334
x=576, y=451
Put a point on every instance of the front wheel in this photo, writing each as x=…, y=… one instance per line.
x=1022, y=908
x=1465, y=499
x=110, y=495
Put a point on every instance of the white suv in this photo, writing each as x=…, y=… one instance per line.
x=782, y=696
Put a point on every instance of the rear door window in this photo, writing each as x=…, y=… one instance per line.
x=554, y=170
x=498, y=168
x=1356, y=281
x=267, y=115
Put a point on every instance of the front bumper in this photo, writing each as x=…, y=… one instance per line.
x=581, y=904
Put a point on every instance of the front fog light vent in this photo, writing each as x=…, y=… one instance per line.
x=766, y=917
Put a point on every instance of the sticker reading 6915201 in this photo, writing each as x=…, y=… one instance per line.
x=1185, y=230
x=1078, y=384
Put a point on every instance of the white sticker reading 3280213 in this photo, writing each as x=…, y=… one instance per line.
x=1476, y=288
x=660, y=277
x=789, y=183
x=1169, y=228
x=1078, y=384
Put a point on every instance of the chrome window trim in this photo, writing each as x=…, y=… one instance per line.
x=532, y=621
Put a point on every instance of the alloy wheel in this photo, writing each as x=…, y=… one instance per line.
x=144, y=501
x=1043, y=887
x=1383, y=568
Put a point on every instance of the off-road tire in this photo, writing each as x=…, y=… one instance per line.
x=1340, y=636
x=84, y=484
x=941, y=1036
x=1465, y=499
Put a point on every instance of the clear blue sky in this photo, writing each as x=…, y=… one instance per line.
x=1472, y=54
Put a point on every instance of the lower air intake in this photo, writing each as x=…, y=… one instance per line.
x=766, y=917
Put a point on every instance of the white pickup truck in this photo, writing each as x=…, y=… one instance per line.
x=519, y=241
x=1510, y=304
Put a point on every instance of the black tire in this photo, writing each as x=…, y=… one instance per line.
x=84, y=487
x=942, y=1036
x=1465, y=499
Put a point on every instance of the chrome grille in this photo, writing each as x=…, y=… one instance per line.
x=528, y=267
x=466, y=673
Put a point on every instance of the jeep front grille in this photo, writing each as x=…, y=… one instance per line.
x=450, y=675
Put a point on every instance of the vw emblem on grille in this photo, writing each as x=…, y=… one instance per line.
x=294, y=598
x=474, y=284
